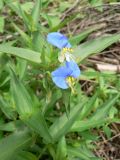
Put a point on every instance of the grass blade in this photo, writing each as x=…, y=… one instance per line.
x=75, y=40
x=10, y=144
x=99, y=117
x=76, y=152
x=80, y=126
x=38, y=124
x=36, y=12
x=63, y=124
x=61, y=152
x=26, y=54
x=23, y=101
x=103, y=110
x=27, y=110
x=94, y=46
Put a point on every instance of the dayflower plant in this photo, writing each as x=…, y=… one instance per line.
x=60, y=41
x=65, y=76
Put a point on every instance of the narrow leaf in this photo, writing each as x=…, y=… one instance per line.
x=61, y=149
x=24, y=155
x=99, y=117
x=21, y=52
x=6, y=108
x=8, y=127
x=27, y=110
x=88, y=107
x=80, y=126
x=36, y=12
x=75, y=40
x=2, y=23
x=13, y=142
x=103, y=110
x=24, y=36
x=63, y=124
x=94, y=46
x=76, y=152
x=23, y=101
x=38, y=124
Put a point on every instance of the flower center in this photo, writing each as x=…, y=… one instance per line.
x=64, y=50
x=66, y=55
x=71, y=81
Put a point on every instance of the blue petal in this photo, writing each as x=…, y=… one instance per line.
x=59, y=40
x=75, y=70
x=68, y=45
x=59, y=76
x=60, y=82
x=61, y=72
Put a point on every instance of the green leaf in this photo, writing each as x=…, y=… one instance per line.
x=94, y=46
x=6, y=108
x=76, y=152
x=88, y=135
x=104, y=109
x=61, y=152
x=21, y=52
x=24, y=36
x=63, y=124
x=10, y=144
x=12, y=5
x=47, y=109
x=21, y=67
x=27, y=6
x=3, y=61
x=24, y=155
x=88, y=107
x=23, y=101
x=63, y=23
x=37, y=122
x=64, y=5
x=97, y=119
x=1, y=4
x=97, y=4
x=75, y=40
x=23, y=15
x=80, y=126
x=38, y=41
x=107, y=131
x=19, y=9
x=8, y=127
x=36, y=12
x=82, y=152
x=52, y=20
x=27, y=110
x=2, y=24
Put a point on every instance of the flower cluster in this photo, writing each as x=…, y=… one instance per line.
x=65, y=76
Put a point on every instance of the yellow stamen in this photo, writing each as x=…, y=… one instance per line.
x=71, y=82
x=64, y=50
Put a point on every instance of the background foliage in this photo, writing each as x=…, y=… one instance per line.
x=37, y=119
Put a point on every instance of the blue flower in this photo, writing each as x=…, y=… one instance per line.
x=60, y=41
x=65, y=76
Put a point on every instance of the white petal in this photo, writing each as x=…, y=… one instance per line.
x=67, y=56
x=61, y=58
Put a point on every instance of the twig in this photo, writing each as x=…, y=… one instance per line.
x=70, y=9
x=108, y=67
x=115, y=127
x=9, y=37
x=105, y=141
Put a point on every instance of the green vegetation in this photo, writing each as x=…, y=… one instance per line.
x=38, y=120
